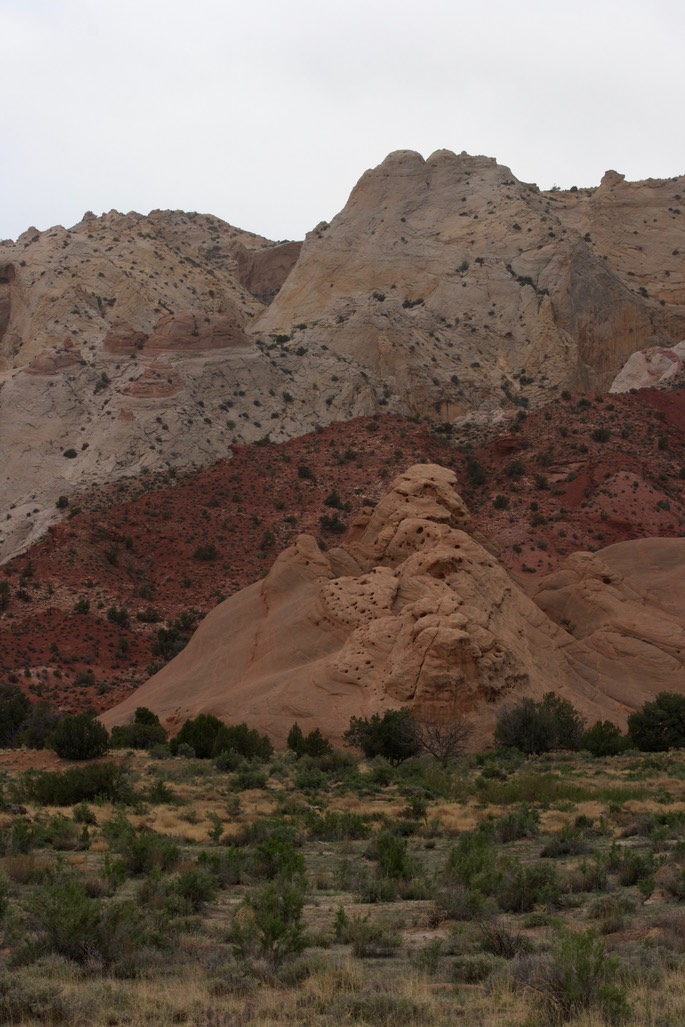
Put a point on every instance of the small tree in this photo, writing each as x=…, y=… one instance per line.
x=535, y=727
x=243, y=740
x=394, y=736
x=314, y=744
x=269, y=922
x=604, y=739
x=659, y=725
x=200, y=734
x=145, y=732
x=14, y=709
x=81, y=737
x=444, y=738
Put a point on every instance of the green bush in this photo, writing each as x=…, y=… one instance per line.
x=390, y=851
x=575, y=976
x=520, y=886
x=241, y=739
x=269, y=922
x=371, y=939
x=78, y=784
x=143, y=733
x=14, y=710
x=314, y=744
x=80, y=737
x=535, y=727
x=70, y=923
x=604, y=739
x=39, y=726
x=659, y=725
x=395, y=736
x=200, y=733
x=523, y=822
x=141, y=851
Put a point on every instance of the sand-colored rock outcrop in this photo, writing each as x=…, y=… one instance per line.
x=460, y=288
x=652, y=367
x=122, y=339
x=413, y=610
x=185, y=332
x=55, y=359
x=264, y=271
x=445, y=288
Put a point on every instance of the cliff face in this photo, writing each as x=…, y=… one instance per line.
x=445, y=288
x=460, y=286
x=415, y=609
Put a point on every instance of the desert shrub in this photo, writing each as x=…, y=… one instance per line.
x=332, y=826
x=523, y=822
x=172, y=640
x=144, y=732
x=588, y=876
x=604, y=739
x=80, y=737
x=228, y=865
x=277, y=858
x=537, y=788
x=395, y=736
x=457, y=903
x=472, y=862
x=206, y=552
x=313, y=744
x=61, y=833
x=574, y=976
x=371, y=939
x=70, y=923
x=474, y=967
x=196, y=886
x=243, y=740
x=636, y=866
x=39, y=725
x=390, y=852
x=500, y=941
x=83, y=814
x=535, y=727
x=78, y=784
x=380, y=1009
x=119, y=615
x=376, y=889
x=659, y=725
x=14, y=710
x=141, y=851
x=568, y=841
x=520, y=887
x=25, y=1000
x=269, y=922
x=248, y=778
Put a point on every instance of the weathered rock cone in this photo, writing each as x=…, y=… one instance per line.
x=415, y=609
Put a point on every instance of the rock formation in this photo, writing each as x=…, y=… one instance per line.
x=416, y=610
x=654, y=366
x=446, y=288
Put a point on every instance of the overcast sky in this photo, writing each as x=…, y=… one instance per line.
x=266, y=112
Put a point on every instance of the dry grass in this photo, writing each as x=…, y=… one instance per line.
x=199, y=983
